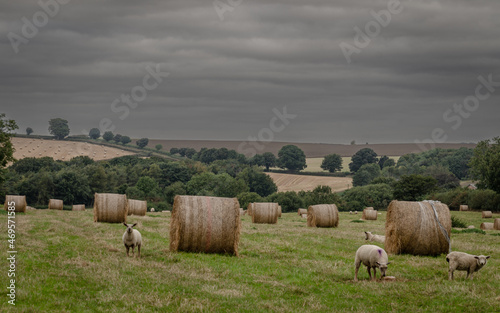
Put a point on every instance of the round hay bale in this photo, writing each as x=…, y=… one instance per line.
x=249, y=209
x=487, y=214
x=464, y=207
x=205, y=224
x=78, y=207
x=496, y=224
x=323, y=215
x=486, y=226
x=302, y=211
x=279, y=211
x=369, y=214
x=19, y=203
x=137, y=207
x=265, y=213
x=304, y=216
x=110, y=208
x=55, y=204
x=369, y=208
x=412, y=228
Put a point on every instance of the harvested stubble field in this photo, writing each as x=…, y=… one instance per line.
x=291, y=182
x=68, y=263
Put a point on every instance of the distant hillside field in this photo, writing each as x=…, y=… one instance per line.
x=312, y=150
x=63, y=150
x=291, y=182
x=314, y=164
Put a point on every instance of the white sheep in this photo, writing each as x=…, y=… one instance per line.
x=132, y=238
x=462, y=261
x=152, y=209
x=372, y=256
x=376, y=238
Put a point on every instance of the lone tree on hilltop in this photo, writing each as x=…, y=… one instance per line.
x=29, y=131
x=59, y=128
x=94, y=133
x=108, y=136
x=143, y=142
x=332, y=163
x=292, y=158
x=363, y=156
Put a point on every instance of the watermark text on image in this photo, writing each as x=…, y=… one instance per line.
x=11, y=252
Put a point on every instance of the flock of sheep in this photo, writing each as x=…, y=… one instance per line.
x=374, y=257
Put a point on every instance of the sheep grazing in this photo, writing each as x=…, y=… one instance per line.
x=461, y=261
x=152, y=209
x=132, y=238
x=376, y=238
x=372, y=257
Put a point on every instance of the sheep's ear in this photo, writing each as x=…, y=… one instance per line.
x=388, y=263
x=125, y=224
x=476, y=257
x=487, y=257
x=366, y=232
x=134, y=224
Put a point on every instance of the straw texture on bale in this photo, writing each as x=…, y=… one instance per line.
x=464, y=207
x=323, y=215
x=487, y=226
x=55, y=204
x=137, y=207
x=487, y=214
x=302, y=211
x=78, y=207
x=304, y=216
x=369, y=214
x=265, y=213
x=205, y=224
x=496, y=224
x=249, y=209
x=279, y=211
x=110, y=208
x=412, y=228
x=369, y=208
x=20, y=203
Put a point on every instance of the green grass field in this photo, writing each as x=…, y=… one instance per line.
x=68, y=263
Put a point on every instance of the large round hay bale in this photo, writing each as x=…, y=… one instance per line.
x=249, y=209
x=369, y=214
x=110, y=208
x=323, y=215
x=279, y=211
x=18, y=202
x=78, y=207
x=137, y=207
x=418, y=228
x=487, y=226
x=205, y=224
x=302, y=211
x=487, y=214
x=464, y=207
x=265, y=213
x=496, y=224
x=55, y=204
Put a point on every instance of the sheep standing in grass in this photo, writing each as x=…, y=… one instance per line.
x=460, y=261
x=372, y=257
x=376, y=238
x=132, y=238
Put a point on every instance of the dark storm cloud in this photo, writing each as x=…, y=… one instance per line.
x=226, y=77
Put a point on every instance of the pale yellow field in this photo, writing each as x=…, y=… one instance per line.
x=291, y=182
x=314, y=164
x=63, y=150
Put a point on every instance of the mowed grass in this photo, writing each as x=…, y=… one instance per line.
x=68, y=263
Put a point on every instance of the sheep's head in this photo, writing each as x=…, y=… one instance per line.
x=129, y=227
x=367, y=235
x=481, y=260
x=382, y=267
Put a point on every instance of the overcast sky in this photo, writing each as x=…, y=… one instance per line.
x=231, y=68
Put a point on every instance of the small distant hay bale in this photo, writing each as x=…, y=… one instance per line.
x=487, y=214
x=78, y=207
x=29, y=208
x=205, y=224
x=19, y=202
x=464, y=207
x=55, y=204
x=369, y=214
x=250, y=209
x=487, y=226
x=496, y=224
x=304, y=216
x=412, y=228
x=323, y=215
x=110, y=208
x=242, y=212
x=279, y=211
x=265, y=213
x=302, y=211
x=369, y=208
x=137, y=207
x=471, y=227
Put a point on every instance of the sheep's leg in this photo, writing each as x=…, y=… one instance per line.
x=356, y=273
x=139, y=250
x=126, y=247
x=374, y=273
x=450, y=274
x=471, y=275
x=133, y=252
x=369, y=272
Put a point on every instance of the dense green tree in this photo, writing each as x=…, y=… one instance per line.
x=366, y=174
x=363, y=156
x=29, y=131
x=220, y=185
x=485, y=164
x=81, y=161
x=268, y=160
x=159, y=147
x=125, y=140
x=189, y=153
x=143, y=142
x=117, y=138
x=332, y=163
x=377, y=196
x=59, y=128
x=414, y=187
x=245, y=198
x=6, y=148
x=177, y=188
x=72, y=187
x=174, y=150
x=290, y=201
x=319, y=195
x=292, y=158
x=258, y=182
x=26, y=165
x=147, y=185
x=94, y=133
x=458, y=162
x=108, y=136
x=445, y=178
